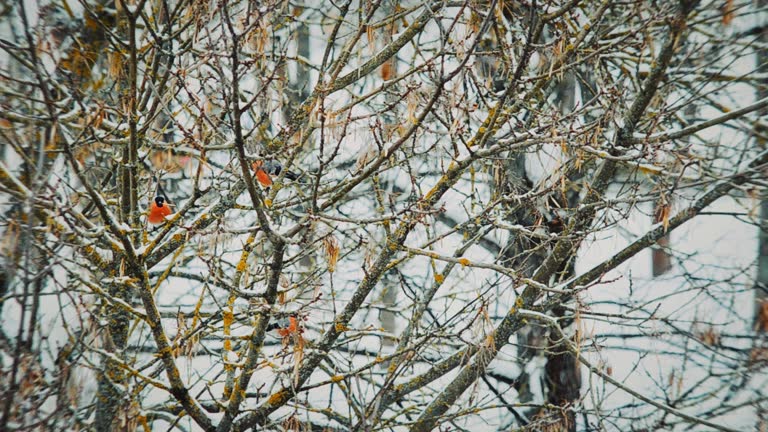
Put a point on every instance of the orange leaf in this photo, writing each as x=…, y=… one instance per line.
x=387, y=70
x=331, y=251
x=761, y=322
x=662, y=214
x=727, y=12
x=369, y=30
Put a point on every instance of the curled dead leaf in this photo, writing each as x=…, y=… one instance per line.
x=387, y=70
x=727, y=9
x=663, y=211
x=331, y=245
x=761, y=320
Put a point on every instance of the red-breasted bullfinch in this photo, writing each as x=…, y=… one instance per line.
x=285, y=326
x=266, y=169
x=158, y=210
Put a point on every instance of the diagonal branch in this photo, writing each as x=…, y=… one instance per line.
x=563, y=249
x=552, y=323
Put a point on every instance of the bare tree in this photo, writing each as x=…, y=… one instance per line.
x=382, y=215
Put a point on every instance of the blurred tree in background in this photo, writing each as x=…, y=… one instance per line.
x=387, y=215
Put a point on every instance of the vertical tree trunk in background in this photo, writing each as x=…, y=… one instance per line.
x=563, y=371
x=391, y=120
x=297, y=89
x=761, y=283
x=531, y=338
x=510, y=177
x=111, y=377
x=297, y=92
x=660, y=260
x=23, y=265
x=111, y=391
x=562, y=374
x=300, y=87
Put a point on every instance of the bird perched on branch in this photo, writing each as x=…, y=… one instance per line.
x=286, y=326
x=158, y=210
x=266, y=169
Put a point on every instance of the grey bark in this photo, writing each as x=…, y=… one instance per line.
x=761, y=281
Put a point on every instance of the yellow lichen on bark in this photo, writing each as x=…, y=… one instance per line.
x=278, y=398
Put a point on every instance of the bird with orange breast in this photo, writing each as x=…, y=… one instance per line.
x=159, y=209
x=265, y=170
x=286, y=327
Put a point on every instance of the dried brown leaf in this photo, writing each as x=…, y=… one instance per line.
x=331, y=245
x=388, y=70
x=663, y=211
x=761, y=320
x=727, y=9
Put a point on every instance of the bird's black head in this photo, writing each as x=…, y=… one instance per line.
x=159, y=201
x=273, y=167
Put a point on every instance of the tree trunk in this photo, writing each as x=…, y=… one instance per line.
x=761, y=282
x=660, y=260
x=112, y=378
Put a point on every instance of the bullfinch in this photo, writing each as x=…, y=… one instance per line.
x=266, y=169
x=285, y=326
x=158, y=210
